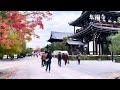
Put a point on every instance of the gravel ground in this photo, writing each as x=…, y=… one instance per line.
x=6, y=74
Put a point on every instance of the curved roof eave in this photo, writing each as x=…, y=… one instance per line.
x=77, y=21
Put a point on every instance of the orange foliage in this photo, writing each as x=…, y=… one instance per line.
x=23, y=23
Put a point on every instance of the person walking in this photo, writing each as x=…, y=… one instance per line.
x=43, y=58
x=66, y=58
x=48, y=61
x=63, y=56
x=78, y=57
x=68, y=61
x=59, y=59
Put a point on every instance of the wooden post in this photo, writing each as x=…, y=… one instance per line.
x=99, y=49
x=88, y=47
x=107, y=48
x=93, y=43
x=71, y=50
x=96, y=46
x=74, y=29
x=93, y=47
x=81, y=49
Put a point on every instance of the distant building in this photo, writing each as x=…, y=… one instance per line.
x=58, y=36
x=72, y=44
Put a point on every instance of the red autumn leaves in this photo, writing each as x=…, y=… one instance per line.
x=16, y=19
x=23, y=24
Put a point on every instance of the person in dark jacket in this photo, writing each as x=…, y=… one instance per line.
x=78, y=57
x=48, y=61
x=59, y=59
x=65, y=58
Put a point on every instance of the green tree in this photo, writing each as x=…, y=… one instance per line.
x=59, y=45
x=23, y=48
x=115, y=43
x=1, y=52
x=43, y=49
x=29, y=51
x=63, y=44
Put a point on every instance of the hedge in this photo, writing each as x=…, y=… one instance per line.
x=89, y=57
x=117, y=59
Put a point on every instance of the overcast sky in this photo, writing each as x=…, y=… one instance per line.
x=59, y=22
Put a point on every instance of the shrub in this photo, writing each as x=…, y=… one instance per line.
x=89, y=57
x=72, y=57
x=1, y=56
x=117, y=59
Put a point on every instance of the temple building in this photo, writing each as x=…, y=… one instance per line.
x=95, y=27
x=72, y=44
x=58, y=36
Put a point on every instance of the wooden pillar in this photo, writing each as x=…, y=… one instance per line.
x=88, y=48
x=82, y=49
x=93, y=43
x=82, y=46
x=74, y=29
x=99, y=49
x=107, y=48
x=96, y=47
x=93, y=47
x=100, y=17
x=71, y=50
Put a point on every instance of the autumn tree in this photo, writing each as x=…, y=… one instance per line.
x=23, y=22
x=20, y=23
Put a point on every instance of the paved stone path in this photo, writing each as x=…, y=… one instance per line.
x=30, y=68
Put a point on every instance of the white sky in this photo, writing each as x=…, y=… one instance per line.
x=59, y=22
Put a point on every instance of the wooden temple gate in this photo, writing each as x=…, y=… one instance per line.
x=96, y=30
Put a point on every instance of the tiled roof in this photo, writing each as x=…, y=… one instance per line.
x=71, y=42
x=59, y=35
